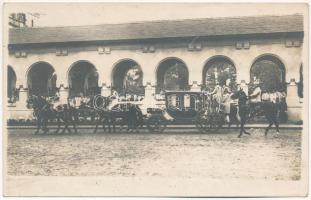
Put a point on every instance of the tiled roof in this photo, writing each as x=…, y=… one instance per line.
x=159, y=29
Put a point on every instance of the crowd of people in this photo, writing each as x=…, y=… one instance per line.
x=222, y=101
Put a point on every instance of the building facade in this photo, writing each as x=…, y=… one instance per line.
x=146, y=58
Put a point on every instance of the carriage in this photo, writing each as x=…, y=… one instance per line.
x=186, y=107
x=178, y=107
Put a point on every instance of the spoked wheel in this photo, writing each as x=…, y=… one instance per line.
x=216, y=122
x=156, y=124
x=202, y=124
x=210, y=123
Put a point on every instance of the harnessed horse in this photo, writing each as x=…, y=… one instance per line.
x=244, y=111
x=44, y=111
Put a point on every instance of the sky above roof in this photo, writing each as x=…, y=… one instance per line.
x=77, y=14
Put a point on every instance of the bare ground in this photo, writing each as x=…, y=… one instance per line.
x=188, y=155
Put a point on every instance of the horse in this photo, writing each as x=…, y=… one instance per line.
x=44, y=111
x=109, y=113
x=244, y=111
x=100, y=105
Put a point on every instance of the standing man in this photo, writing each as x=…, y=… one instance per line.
x=217, y=96
x=255, y=98
x=227, y=98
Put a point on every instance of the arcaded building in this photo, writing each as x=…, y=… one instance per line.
x=145, y=58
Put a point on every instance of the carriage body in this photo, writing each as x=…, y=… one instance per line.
x=184, y=107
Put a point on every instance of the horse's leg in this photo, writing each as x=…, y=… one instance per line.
x=276, y=122
x=113, y=119
x=105, y=122
x=58, y=124
x=38, y=125
x=109, y=124
x=73, y=121
x=267, y=129
x=96, y=126
x=241, y=130
x=45, y=121
x=67, y=124
x=277, y=126
x=64, y=128
x=244, y=128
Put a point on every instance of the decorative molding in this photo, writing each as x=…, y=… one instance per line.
x=239, y=45
x=61, y=52
x=297, y=43
x=152, y=49
x=242, y=45
x=145, y=49
x=104, y=50
x=246, y=45
x=20, y=54
x=191, y=47
x=195, y=47
x=292, y=43
x=148, y=49
x=107, y=50
x=17, y=54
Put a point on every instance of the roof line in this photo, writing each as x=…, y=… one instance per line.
x=165, y=20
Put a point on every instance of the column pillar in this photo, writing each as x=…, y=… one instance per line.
x=195, y=87
x=294, y=107
x=105, y=90
x=149, y=100
x=21, y=104
x=20, y=111
x=63, y=94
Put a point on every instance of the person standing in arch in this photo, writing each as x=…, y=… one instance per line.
x=217, y=95
x=227, y=98
x=255, y=98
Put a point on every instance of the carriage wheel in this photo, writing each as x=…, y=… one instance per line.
x=209, y=124
x=202, y=124
x=156, y=124
x=216, y=122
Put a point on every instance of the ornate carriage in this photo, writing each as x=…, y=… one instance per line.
x=184, y=107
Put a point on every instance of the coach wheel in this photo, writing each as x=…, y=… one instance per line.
x=202, y=124
x=156, y=124
x=215, y=122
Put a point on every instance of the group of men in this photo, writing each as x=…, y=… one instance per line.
x=221, y=96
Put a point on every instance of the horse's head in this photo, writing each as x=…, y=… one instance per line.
x=32, y=101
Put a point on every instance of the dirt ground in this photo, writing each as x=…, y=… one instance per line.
x=171, y=154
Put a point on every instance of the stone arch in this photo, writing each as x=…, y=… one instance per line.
x=172, y=74
x=11, y=82
x=127, y=77
x=270, y=70
x=83, y=79
x=41, y=79
x=218, y=69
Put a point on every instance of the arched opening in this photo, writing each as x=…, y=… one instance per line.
x=83, y=79
x=127, y=78
x=172, y=74
x=270, y=71
x=219, y=70
x=41, y=80
x=11, y=84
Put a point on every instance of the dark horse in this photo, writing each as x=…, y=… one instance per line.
x=128, y=113
x=269, y=109
x=44, y=111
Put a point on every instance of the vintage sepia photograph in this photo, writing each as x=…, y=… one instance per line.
x=155, y=99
